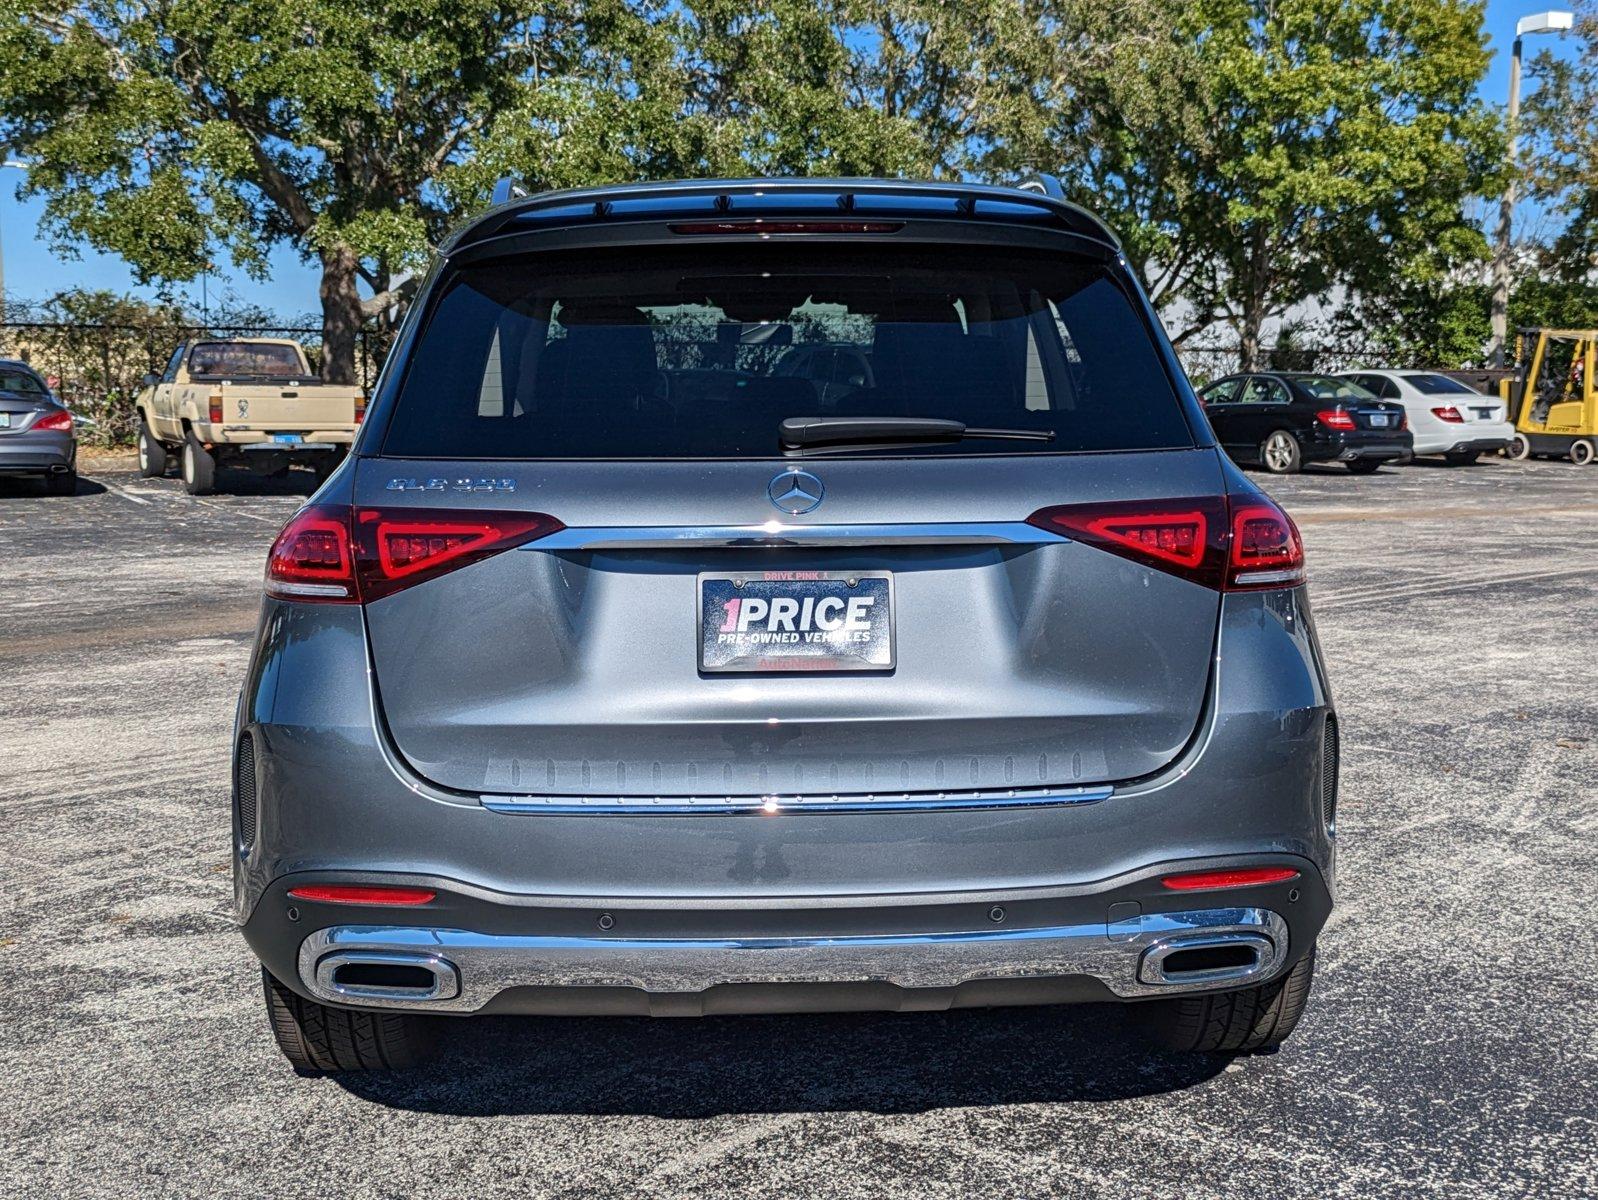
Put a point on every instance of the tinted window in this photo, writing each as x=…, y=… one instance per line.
x=19, y=380
x=245, y=360
x=1439, y=385
x=1264, y=391
x=702, y=351
x=1222, y=392
x=1329, y=387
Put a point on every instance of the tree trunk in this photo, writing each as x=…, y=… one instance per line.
x=1256, y=277
x=341, y=314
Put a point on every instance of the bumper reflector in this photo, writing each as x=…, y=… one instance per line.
x=1200, y=881
x=365, y=894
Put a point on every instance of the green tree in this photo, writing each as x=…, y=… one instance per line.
x=175, y=132
x=1290, y=146
x=1561, y=122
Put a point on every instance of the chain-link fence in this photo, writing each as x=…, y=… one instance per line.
x=1204, y=363
x=97, y=369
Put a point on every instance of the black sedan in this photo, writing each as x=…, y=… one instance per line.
x=1284, y=419
x=36, y=432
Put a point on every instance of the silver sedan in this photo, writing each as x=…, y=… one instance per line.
x=36, y=432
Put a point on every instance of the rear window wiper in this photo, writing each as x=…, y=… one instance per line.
x=800, y=435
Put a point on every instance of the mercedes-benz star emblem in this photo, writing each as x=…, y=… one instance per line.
x=796, y=492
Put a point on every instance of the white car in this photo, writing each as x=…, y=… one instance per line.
x=1446, y=416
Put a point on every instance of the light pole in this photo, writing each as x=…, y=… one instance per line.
x=1556, y=21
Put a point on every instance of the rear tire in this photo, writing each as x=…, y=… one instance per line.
x=1257, y=1018
x=152, y=454
x=317, y=1038
x=1518, y=449
x=1460, y=458
x=199, y=467
x=1281, y=453
x=1364, y=466
x=64, y=483
x=1582, y=451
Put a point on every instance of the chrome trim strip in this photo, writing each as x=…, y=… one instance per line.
x=773, y=806
x=778, y=533
x=488, y=964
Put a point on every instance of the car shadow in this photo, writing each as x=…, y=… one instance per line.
x=714, y=1066
x=35, y=489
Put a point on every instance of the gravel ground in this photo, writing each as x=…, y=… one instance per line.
x=1451, y=1047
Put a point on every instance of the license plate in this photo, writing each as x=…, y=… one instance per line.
x=1378, y=420
x=1484, y=413
x=287, y=439
x=5, y=420
x=796, y=621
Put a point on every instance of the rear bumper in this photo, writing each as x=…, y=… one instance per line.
x=1346, y=447
x=37, y=453
x=1126, y=939
x=311, y=440
x=1483, y=436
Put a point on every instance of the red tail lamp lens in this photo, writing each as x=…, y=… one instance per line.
x=330, y=554
x=360, y=409
x=216, y=410
x=1449, y=413
x=1229, y=545
x=58, y=422
x=1266, y=548
x=1203, y=881
x=339, y=894
x=398, y=547
x=1335, y=418
x=312, y=558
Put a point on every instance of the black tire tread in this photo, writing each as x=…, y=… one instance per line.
x=317, y=1038
x=1238, y=1022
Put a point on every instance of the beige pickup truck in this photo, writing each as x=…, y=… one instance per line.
x=251, y=402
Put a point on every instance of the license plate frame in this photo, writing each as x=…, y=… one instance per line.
x=814, y=648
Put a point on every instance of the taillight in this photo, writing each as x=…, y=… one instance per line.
x=334, y=554
x=1335, y=418
x=360, y=409
x=216, y=409
x=765, y=228
x=1266, y=549
x=1220, y=542
x=312, y=559
x=1203, y=881
x=56, y=422
x=1449, y=413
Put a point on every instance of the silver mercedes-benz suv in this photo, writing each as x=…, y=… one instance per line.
x=776, y=596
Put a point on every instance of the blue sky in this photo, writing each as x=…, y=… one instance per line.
x=32, y=271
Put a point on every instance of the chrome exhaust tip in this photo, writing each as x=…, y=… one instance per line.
x=377, y=975
x=1208, y=959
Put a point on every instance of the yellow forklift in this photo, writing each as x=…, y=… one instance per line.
x=1553, y=396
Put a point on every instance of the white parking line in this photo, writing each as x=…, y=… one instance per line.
x=135, y=497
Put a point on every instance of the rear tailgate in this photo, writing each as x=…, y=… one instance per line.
x=301, y=406
x=572, y=665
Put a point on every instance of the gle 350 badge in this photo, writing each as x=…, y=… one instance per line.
x=796, y=621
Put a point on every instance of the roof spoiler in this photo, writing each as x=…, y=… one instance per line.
x=764, y=198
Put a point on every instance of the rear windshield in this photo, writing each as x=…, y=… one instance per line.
x=1329, y=387
x=701, y=352
x=245, y=360
x=1439, y=385
x=25, y=382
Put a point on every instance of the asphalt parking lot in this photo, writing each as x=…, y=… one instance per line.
x=1451, y=1047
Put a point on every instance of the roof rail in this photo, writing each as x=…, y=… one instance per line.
x=506, y=190
x=1046, y=185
